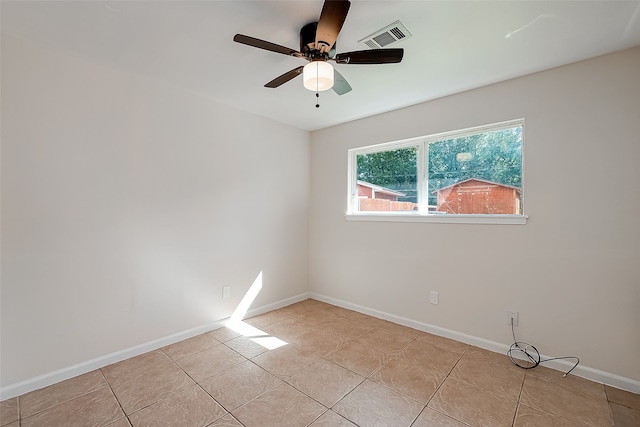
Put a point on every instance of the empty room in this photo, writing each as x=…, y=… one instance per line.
x=320, y=213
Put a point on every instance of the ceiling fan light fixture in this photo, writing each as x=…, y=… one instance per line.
x=317, y=76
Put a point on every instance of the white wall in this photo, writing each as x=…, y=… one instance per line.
x=127, y=204
x=572, y=272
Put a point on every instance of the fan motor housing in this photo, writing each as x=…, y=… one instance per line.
x=308, y=42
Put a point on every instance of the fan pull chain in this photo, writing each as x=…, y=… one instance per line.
x=317, y=94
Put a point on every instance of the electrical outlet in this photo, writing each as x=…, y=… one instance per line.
x=433, y=297
x=512, y=316
x=226, y=292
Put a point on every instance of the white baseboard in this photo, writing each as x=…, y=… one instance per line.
x=592, y=374
x=50, y=378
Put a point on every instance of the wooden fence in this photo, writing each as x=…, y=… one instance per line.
x=381, y=205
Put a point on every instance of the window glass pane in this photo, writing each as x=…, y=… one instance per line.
x=387, y=181
x=476, y=174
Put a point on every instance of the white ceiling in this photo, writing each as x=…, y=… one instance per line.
x=456, y=46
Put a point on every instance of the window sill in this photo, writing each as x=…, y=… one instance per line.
x=451, y=219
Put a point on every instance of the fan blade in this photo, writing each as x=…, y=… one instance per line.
x=340, y=85
x=376, y=56
x=261, y=44
x=330, y=23
x=280, y=80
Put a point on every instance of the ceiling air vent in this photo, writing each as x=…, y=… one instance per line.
x=387, y=36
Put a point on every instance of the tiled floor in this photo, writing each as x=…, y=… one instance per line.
x=338, y=368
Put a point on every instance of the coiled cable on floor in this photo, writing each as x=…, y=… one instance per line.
x=531, y=354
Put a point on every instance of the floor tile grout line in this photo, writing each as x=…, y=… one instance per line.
x=449, y=374
x=114, y=396
x=269, y=389
x=515, y=415
x=444, y=380
x=369, y=377
x=227, y=412
x=364, y=378
x=318, y=357
x=539, y=409
x=138, y=374
x=166, y=397
x=335, y=403
x=482, y=388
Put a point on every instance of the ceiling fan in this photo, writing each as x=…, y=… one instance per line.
x=317, y=45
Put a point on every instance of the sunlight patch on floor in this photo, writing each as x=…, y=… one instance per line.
x=256, y=335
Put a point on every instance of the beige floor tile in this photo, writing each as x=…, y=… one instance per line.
x=324, y=366
x=360, y=317
x=371, y=404
x=61, y=392
x=624, y=416
x=503, y=380
x=240, y=384
x=408, y=379
x=209, y=362
x=344, y=312
x=287, y=330
x=359, y=358
x=326, y=382
x=285, y=361
x=580, y=385
x=473, y=405
x=430, y=357
x=384, y=340
x=189, y=346
x=224, y=334
x=298, y=307
x=623, y=397
x=365, y=319
x=319, y=341
x=282, y=406
x=573, y=401
x=266, y=319
x=190, y=406
x=96, y=408
x=226, y=421
x=399, y=329
x=122, y=422
x=444, y=343
x=9, y=411
x=130, y=368
x=331, y=419
x=482, y=356
x=150, y=387
x=320, y=304
x=246, y=346
x=333, y=311
x=346, y=327
x=432, y=418
x=529, y=417
x=313, y=317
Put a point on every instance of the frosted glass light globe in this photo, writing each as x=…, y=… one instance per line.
x=318, y=75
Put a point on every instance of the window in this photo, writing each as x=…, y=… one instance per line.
x=473, y=175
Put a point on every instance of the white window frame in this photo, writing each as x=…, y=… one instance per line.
x=423, y=215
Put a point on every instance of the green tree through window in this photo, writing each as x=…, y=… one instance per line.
x=492, y=156
x=485, y=161
x=393, y=169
